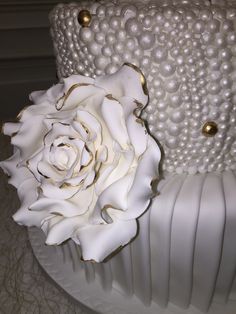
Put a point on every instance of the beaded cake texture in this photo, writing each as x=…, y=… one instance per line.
x=186, y=50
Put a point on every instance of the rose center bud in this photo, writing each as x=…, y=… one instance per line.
x=63, y=156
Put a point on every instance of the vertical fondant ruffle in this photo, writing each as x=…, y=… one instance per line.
x=184, y=251
x=227, y=269
x=141, y=263
x=209, y=240
x=121, y=265
x=160, y=237
x=183, y=233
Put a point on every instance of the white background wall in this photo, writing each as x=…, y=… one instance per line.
x=26, y=53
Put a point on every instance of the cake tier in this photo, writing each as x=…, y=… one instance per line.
x=186, y=49
x=184, y=252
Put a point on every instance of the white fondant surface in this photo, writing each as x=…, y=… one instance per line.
x=183, y=254
x=72, y=279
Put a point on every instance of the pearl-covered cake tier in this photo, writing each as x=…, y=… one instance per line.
x=186, y=50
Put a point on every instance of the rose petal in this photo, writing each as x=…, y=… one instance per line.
x=64, y=229
x=63, y=157
x=117, y=170
x=48, y=171
x=125, y=82
x=64, y=117
x=59, y=130
x=32, y=164
x=93, y=125
x=93, y=106
x=89, y=179
x=37, y=109
x=11, y=168
x=79, y=93
x=86, y=157
x=52, y=191
x=48, y=96
x=28, y=194
x=141, y=191
x=77, y=179
x=30, y=137
x=113, y=116
x=69, y=208
x=98, y=241
x=76, y=79
x=82, y=133
x=102, y=154
x=116, y=194
x=11, y=128
x=136, y=129
x=48, y=222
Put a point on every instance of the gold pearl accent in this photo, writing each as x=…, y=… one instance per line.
x=84, y=18
x=209, y=129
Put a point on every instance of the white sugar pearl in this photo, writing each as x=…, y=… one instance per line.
x=174, y=129
x=199, y=26
x=100, y=11
x=127, y=57
x=205, y=14
x=132, y=27
x=175, y=100
x=116, y=59
x=177, y=116
x=107, y=51
x=145, y=62
x=86, y=35
x=94, y=48
x=225, y=54
x=159, y=54
x=220, y=40
x=167, y=68
x=161, y=105
x=119, y=47
x=121, y=35
x=130, y=44
x=172, y=85
x=147, y=21
x=101, y=62
x=146, y=40
x=172, y=142
x=162, y=116
x=227, y=26
x=213, y=26
x=213, y=88
x=211, y=52
x=231, y=38
x=111, y=68
x=115, y=23
x=104, y=26
x=100, y=38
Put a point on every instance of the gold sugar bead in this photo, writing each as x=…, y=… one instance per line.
x=209, y=129
x=84, y=18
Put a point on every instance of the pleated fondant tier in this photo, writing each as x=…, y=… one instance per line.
x=184, y=252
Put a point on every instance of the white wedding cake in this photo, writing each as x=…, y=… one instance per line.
x=132, y=155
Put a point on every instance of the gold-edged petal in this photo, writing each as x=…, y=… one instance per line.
x=99, y=241
x=127, y=81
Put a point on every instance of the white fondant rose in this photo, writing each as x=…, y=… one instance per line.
x=83, y=161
